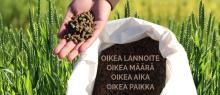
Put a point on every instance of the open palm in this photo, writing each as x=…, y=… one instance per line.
x=100, y=9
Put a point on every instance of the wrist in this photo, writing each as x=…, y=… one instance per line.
x=101, y=10
x=112, y=3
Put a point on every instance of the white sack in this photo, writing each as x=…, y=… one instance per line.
x=179, y=79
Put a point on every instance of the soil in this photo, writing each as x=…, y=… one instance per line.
x=146, y=46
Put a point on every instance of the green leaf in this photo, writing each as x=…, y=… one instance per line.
x=28, y=85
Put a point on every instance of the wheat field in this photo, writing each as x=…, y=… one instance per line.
x=28, y=67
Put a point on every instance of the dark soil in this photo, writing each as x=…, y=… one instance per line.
x=146, y=46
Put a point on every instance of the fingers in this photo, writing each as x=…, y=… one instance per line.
x=66, y=49
x=98, y=26
x=72, y=55
x=101, y=10
x=61, y=44
x=74, y=52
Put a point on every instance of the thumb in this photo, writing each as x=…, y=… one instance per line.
x=67, y=18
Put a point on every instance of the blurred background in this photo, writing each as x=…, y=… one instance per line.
x=16, y=11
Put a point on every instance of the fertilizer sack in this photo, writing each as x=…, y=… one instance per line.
x=133, y=57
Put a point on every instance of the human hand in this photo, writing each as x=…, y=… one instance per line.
x=100, y=9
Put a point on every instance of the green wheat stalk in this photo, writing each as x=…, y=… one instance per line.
x=202, y=15
x=127, y=9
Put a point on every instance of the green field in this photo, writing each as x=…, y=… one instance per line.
x=28, y=35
